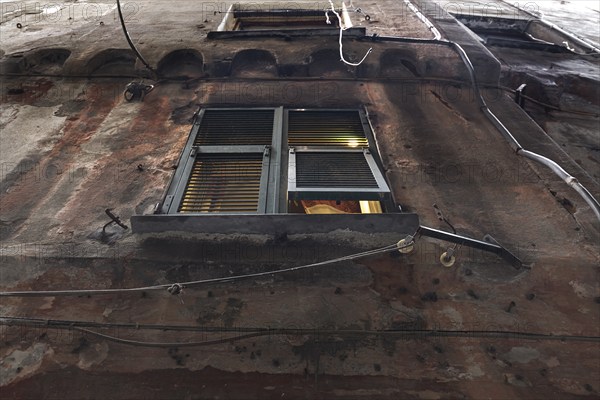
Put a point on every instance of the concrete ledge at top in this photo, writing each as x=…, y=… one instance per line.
x=275, y=224
x=286, y=34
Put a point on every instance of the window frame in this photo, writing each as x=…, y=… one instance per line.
x=350, y=193
x=268, y=191
x=276, y=188
x=235, y=14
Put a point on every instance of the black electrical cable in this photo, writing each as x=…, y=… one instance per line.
x=135, y=50
x=82, y=326
x=171, y=344
x=176, y=288
x=554, y=108
x=304, y=79
x=246, y=79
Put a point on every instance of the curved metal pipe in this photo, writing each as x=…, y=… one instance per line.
x=564, y=175
x=512, y=141
x=436, y=34
x=516, y=146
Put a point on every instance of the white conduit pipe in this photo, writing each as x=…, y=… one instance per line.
x=519, y=150
x=342, y=29
x=436, y=34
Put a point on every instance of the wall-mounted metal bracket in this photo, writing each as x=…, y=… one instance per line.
x=519, y=99
x=136, y=91
x=115, y=220
x=490, y=245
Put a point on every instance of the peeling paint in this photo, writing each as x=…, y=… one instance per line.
x=93, y=355
x=19, y=364
x=522, y=355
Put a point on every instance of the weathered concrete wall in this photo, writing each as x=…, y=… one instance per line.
x=71, y=146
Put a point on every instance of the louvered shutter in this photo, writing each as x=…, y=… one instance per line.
x=329, y=157
x=223, y=183
x=326, y=128
x=334, y=175
x=235, y=127
x=226, y=168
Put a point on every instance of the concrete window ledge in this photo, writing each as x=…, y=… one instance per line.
x=279, y=225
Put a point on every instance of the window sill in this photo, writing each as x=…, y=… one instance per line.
x=277, y=225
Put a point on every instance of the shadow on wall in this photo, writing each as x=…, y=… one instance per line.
x=46, y=61
x=112, y=62
x=326, y=63
x=398, y=64
x=182, y=64
x=42, y=62
x=254, y=63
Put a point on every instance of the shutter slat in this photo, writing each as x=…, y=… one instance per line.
x=326, y=128
x=333, y=170
x=223, y=183
x=235, y=127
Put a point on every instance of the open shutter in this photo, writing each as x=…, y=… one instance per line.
x=326, y=128
x=225, y=166
x=329, y=157
x=334, y=175
x=235, y=127
x=226, y=183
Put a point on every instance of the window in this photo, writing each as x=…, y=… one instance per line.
x=226, y=163
x=281, y=16
x=330, y=165
x=334, y=174
x=271, y=160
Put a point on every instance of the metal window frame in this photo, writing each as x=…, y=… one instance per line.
x=198, y=150
x=364, y=119
x=269, y=186
x=278, y=183
x=350, y=193
x=235, y=16
x=382, y=193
